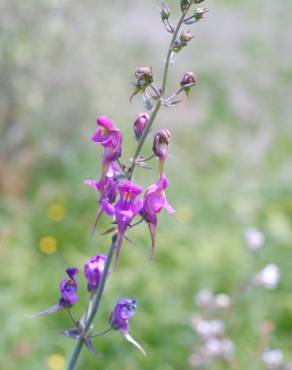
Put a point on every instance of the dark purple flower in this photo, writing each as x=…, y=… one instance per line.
x=93, y=269
x=125, y=209
x=160, y=146
x=140, y=124
x=110, y=138
x=119, y=318
x=68, y=292
x=68, y=289
x=154, y=201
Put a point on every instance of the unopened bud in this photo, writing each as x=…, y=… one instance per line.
x=140, y=124
x=189, y=79
x=144, y=74
x=164, y=12
x=200, y=13
x=184, y=4
x=186, y=36
x=160, y=146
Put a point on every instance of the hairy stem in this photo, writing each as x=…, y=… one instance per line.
x=97, y=298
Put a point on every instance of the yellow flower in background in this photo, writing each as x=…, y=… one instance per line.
x=56, y=212
x=184, y=214
x=56, y=362
x=48, y=245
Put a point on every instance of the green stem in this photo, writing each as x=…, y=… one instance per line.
x=158, y=104
x=94, y=307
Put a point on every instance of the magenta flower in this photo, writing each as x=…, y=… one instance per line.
x=140, y=124
x=110, y=138
x=106, y=186
x=68, y=293
x=119, y=319
x=93, y=269
x=125, y=209
x=154, y=201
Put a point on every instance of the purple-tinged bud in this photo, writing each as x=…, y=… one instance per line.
x=93, y=269
x=123, y=311
x=140, y=124
x=164, y=12
x=186, y=37
x=144, y=78
x=160, y=143
x=189, y=79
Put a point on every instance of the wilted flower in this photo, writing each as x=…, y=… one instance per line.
x=268, y=277
x=125, y=209
x=119, y=318
x=110, y=138
x=68, y=293
x=254, y=239
x=160, y=146
x=273, y=359
x=93, y=269
x=140, y=124
x=154, y=201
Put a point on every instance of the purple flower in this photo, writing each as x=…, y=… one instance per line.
x=93, y=269
x=160, y=146
x=119, y=318
x=154, y=201
x=68, y=293
x=68, y=289
x=106, y=186
x=110, y=138
x=124, y=210
x=140, y=124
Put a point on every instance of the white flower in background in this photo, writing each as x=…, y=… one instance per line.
x=227, y=349
x=204, y=298
x=273, y=359
x=207, y=329
x=268, y=277
x=222, y=300
x=254, y=239
x=214, y=347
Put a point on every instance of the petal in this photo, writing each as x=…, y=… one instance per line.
x=105, y=122
x=92, y=183
x=152, y=228
x=108, y=208
x=97, y=136
x=168, y=207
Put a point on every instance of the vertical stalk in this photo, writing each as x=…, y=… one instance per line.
x=97, y=298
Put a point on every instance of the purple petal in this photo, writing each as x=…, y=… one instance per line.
x=48, y=311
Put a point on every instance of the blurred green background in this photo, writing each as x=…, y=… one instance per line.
x=63, y=63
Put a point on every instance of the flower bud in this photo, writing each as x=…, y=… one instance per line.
x=93, y=270
x=200, y=13
x=186, y=37
x=144, y=74
x=123, y=311
x=189, y=79
x=160, y=143
x=184, y=4
x=140, y=124
x=164, y=12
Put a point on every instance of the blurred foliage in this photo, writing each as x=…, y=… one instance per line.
x=62, y=63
